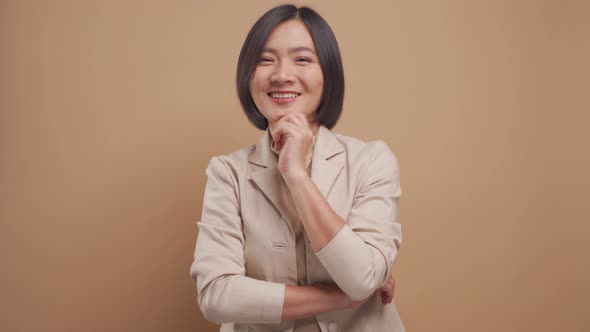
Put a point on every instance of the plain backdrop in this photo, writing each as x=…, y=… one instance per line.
x=111, y=110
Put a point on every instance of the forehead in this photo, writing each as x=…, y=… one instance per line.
x=292, y=33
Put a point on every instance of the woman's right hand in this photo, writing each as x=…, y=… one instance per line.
x=387, y=290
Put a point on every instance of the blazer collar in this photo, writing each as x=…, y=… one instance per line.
x=327, y=163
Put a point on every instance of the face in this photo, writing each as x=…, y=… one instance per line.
x=288, y=77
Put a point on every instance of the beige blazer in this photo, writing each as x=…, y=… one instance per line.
x=245, y=251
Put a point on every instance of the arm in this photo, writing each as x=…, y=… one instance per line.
x=358, y=253
x=219, y=265
x=306, y=301
x=225, y=294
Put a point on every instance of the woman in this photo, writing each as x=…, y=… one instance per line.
x=298, y=232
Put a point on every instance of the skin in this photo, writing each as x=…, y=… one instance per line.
x=289, y=63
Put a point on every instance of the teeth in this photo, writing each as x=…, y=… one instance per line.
x=283, y=95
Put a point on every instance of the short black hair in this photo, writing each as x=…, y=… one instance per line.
x=332, y=99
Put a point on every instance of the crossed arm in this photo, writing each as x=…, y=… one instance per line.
x=322, y=225
x=224, y=290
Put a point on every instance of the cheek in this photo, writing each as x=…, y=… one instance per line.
x=320, y=86
x=253, y=87
x=257, y=82
x=315, y=81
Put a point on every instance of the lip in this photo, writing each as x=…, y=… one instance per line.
x=282, y=101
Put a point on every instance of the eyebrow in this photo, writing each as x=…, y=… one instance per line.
x=290, y=51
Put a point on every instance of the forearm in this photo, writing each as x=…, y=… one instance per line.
x=320, y=221
x=356, y=267
x=306, y=301
x=224, y=303
x=241, y=299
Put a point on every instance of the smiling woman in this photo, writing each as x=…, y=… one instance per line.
x=288, y=78
x=313, y=42
x=299, y=232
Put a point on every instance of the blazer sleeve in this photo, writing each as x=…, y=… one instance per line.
x=360, y=256
x=225, y=294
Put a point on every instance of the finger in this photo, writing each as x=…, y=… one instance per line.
x=387, y=282
x=298, y=120
x=387, y=289
x=303, y=118
x=278, y=136
x=283, y=132
x=285, y=125
x=291, y=128
x=385, y=299
x=386, y=295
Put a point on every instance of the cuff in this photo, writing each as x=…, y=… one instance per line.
x=272, y=309
x=352, y=264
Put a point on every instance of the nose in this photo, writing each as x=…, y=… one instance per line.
x=282, y=73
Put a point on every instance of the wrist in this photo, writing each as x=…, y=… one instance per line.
x=337, y=299
x=295, y=177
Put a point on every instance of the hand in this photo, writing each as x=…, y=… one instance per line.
x=387, y=290
x=292, y=136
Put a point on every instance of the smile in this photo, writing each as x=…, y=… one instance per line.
x=283, y=95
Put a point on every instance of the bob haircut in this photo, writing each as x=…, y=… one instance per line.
x=331, y=102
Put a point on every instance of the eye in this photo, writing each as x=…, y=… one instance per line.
x=303, y=59
x=265, y=60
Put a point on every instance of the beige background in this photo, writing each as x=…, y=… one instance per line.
x=110, y=111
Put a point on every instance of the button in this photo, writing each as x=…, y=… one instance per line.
x=332, y=327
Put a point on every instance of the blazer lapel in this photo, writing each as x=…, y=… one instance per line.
x=328, y=160
x=327, y=163
x=264, y=172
